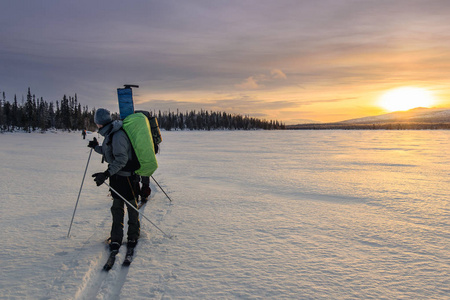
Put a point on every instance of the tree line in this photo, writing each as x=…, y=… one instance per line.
x=36, y=114
x=209, y=120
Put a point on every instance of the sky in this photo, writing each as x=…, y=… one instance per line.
x=322, y=60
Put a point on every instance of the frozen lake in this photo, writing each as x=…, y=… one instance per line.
x=256, y=215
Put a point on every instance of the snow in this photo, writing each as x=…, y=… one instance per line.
x=255, y=215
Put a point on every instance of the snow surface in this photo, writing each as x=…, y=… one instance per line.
x=255, y=214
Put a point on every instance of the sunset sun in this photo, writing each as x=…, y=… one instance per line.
x=406, y=98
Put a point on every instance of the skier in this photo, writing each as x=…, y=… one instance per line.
x=117, y=151
x=83, y=133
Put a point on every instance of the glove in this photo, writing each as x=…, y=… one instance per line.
x=93, y=143
x=145, y=191
x=99, y=178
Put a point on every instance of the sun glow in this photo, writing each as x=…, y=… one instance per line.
x=406, y=98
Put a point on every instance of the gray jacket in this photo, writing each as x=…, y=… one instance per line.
x=116, y=150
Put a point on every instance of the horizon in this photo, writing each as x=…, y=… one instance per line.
x=302, y=122
x=323, y=61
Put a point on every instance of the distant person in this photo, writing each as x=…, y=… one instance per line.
x=117, y=151
x=83, y=133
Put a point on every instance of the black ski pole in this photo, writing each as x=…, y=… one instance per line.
x=161, y=189
x=129, y=204
x=81, y=187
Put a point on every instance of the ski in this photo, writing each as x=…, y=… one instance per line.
x=128, y=257
x=111, y=259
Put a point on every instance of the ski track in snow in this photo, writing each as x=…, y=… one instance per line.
x=96, y=283
x=78, y=256
x=91, y=250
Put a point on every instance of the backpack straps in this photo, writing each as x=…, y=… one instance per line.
x=133, y=162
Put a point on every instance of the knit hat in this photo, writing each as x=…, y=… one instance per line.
x=102, y=116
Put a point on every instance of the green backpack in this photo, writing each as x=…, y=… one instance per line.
x=138, y=130
x=154, y=128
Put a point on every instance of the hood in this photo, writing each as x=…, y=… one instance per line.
x=110, y=128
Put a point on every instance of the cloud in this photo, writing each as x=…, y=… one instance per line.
x=278, y=74
x=241, y=104
x=255, y=82
x=248, y=84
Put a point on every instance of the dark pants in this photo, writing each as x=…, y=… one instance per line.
x=125, y=186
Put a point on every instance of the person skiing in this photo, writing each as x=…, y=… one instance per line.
x=117, y=151
x=83, y=133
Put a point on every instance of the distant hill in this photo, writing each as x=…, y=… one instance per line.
x=416, y=115
x=417, y=118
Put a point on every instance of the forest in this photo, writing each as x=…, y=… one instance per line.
x=36, y=114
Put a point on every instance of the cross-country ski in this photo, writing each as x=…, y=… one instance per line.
x=111, y=260
x=128, y=257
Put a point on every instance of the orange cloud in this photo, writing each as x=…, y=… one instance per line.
x=248, y=84
x=278, y=74
x=254, y=82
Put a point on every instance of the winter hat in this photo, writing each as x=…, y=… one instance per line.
x=102, y=116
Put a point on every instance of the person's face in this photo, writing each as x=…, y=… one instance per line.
x=99, y=126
